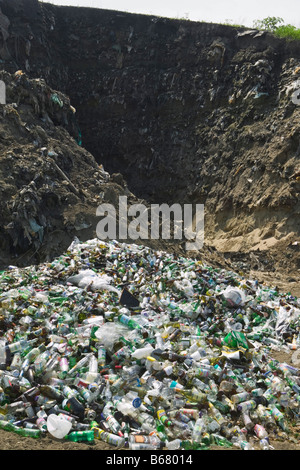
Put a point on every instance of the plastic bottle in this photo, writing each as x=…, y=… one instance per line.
x=127, y=408
x=190, y=413
x=142, y=353
x=279, y=418
x=247, y=421
x=244, y=445
x=151, y=439
x=141, y=446
x=264, y=444
x=34, y=433
x=193, y=395
x=220, y=440
x=128, y=321
x=30, y=357
x=117, y=385
x=82, y=362
x=266, y=418
x=40, y=362
x=260, y=431
x=162, y=416
x=80, y=436
x=21, y=345
x=121, y=354
x=113, y=424
x=221, y=420
x=109, y=438
x=41, y=423
x=246, y=406
x=173, y=445
x=146, y=421
x=101, y=355
x=198, y=430
x=131, y=374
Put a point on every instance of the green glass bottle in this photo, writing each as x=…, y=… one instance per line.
x=222, y=407
x=194, y=395
x=129, y=322
x=80, y=436
x=221, y=441
x=162, y=416
x=7, y=425
x=161, y=432
x=28, y=432
x=190, y=445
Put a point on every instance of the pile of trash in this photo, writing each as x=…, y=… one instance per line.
x=50, y=185
x=145, y=350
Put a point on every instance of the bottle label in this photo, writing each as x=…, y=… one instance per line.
x=124, y=319
x=141, y=439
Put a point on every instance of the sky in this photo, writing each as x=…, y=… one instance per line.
x=216, y=11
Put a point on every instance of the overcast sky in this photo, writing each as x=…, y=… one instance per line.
x=218, y=11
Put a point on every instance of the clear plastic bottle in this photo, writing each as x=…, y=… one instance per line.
x=198, y=430
x=217, y=415
x=244, y=445
x=151, y=439
x=264, y=444
x=175, y=444
x=82, y=362
x=260, y=431
x=249, y=425
x=141, y=446
x=240, y=397
x=146, y=421
x=22, y=345
x=279, y=418
x=109, y=438
x=113, y=424
x=246, y=406
x=41, y=424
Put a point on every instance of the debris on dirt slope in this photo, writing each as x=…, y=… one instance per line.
x=50, y=185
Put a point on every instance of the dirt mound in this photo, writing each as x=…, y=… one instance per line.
x=50, y=185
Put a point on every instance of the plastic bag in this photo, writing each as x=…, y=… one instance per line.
x=88, y=277
x=234, y=296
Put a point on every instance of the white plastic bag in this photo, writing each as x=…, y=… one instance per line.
x=234, y=296
x=96, y=281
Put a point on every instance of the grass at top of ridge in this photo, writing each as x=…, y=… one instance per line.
x=287, y=31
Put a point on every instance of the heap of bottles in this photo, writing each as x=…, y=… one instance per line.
x=184, y=362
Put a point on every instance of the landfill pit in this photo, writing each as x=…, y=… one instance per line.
x=115, y=346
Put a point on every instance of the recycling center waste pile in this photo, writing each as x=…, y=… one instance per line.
x=145, y=350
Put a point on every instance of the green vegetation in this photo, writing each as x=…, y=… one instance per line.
x=288, y=31
x=271, y=23
x=234, y=25
x=275, y=25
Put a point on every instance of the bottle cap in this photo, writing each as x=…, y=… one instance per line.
x=136, y=403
